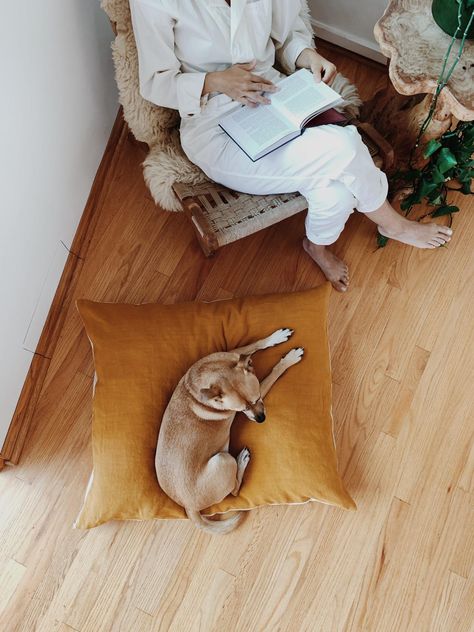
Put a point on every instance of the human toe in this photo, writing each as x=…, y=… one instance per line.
x=445, y=230
x=340, y=286
x=342, y=281
x=440, y=240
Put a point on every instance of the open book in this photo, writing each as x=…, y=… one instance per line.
x=260, y=130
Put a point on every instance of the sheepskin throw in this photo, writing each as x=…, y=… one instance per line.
x=157, y=126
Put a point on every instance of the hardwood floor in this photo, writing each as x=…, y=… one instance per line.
x=402, y=355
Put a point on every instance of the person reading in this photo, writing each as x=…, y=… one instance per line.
x=201, y=57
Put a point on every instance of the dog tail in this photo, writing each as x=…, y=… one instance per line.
x=216, y=527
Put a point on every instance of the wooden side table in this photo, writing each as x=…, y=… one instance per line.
x=416, y=46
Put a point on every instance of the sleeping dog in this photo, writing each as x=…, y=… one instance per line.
x=193, y=464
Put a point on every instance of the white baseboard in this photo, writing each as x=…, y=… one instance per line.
x=346, y=40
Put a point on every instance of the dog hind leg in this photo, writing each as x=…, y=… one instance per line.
x=217, y=480
x=243, y=459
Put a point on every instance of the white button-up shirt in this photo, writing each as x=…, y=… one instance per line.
x=179, y=41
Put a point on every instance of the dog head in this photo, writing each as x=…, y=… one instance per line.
x=233, y=385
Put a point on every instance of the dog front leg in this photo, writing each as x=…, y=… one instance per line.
x=276, y=338
x=292, y=357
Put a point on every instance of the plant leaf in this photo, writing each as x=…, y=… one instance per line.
x=381, y=240
x=438, y=199
x=444, y=210
x=446, y=160
x=437, y=176
x=469, y=133
x=425, y=187
x=431, y=146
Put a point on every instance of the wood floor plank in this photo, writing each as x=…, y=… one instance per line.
x=442, y=410
x=116, y=575
x=416, y=560
x=333, y=564
x=444, y=617
x=463, y=615
x=11, y=574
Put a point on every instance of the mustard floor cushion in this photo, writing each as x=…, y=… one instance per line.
x=140, y=353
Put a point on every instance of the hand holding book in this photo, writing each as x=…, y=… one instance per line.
x=322, y=68
x=258, y=131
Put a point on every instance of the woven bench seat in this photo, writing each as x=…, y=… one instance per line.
x=220, y=215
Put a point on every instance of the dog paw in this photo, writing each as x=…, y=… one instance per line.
x=280, y=335
x=293, y=356
x=243, y=458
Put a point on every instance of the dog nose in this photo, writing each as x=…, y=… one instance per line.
x=260, y=417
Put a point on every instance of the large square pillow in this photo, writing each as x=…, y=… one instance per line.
x=140, y=353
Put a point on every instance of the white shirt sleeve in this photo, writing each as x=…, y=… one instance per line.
x=289, y=33
x=161, y=80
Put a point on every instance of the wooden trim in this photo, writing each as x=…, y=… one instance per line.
x=25, y=409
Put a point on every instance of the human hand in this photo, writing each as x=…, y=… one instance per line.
x=239, y=83
x=322, y=69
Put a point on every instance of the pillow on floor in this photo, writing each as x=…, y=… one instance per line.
x=141, y=352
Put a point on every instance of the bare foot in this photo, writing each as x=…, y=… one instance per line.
x=335, y=270
x=417, y=234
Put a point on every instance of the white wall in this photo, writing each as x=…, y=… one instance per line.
x=349, y=23
x=57, y=106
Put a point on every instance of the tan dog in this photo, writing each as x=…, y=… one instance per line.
x=193, y=463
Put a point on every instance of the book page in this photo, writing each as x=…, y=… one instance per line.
x=300, y=96
x=257, y=128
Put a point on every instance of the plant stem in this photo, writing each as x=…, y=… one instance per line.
x=442, y=79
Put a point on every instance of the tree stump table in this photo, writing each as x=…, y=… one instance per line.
x=416, y=46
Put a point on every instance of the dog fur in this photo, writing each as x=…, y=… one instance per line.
x=193, y=464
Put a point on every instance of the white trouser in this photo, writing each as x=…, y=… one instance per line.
x=329, y=165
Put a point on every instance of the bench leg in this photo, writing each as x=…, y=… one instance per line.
x=207, y=249
x=206, y=238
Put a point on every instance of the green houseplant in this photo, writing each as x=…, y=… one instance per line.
x=449, y=158
x=445, y=14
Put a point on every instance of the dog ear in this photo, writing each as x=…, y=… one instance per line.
x=213, y=392
x=245, y=362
